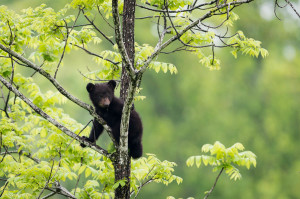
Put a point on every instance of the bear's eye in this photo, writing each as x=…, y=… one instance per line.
x=103, y=94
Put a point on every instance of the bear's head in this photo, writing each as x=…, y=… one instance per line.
x=101, y=94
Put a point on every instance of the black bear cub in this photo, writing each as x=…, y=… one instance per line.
x=110, y=109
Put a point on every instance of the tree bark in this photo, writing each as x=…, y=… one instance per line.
x=128, y=37
x=122, y=162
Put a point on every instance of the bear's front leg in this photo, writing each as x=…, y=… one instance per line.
x=96, y=131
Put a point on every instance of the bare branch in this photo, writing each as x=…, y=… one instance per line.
x=35, y=70
x=209, y=14
x=182, y=48
x=76, y=26
x=104, y=18
x=49, y=178
x=108, y=39
x=91, y=53
x=24, y=153
x=3, y=179
x=79, y=133
x=98, y=79
x=178, y=11
x=275, y=6
x=49, y=195
x=5, y=185
x=7, y=152
x=81, y=160
x=57, y=188
x=66, y=42
x=148, y=17
x=291, y=5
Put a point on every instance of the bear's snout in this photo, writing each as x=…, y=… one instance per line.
x=104, y=103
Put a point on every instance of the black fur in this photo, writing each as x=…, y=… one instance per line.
x=110, y=109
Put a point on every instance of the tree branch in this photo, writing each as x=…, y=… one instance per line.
x=49, y=195
x=291, y=5
x=104, y=17
x=108, y=39
x=28, y=155
x=58, y=189
x=209, y=192
x=61, y=90
x=178, y=11
x=5, y=185
x=91, y=53
x=209, y=14
x=51, y=120
x=49, y=178
x=66, y=42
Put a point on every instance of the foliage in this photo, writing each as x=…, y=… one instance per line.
x=37, y=158
x=26, y=164
x=221, y=157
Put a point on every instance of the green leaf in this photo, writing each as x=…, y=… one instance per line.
x=190, y=161
x=198, y=160
x=81, y=169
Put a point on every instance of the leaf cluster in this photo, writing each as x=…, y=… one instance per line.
x=222, y=157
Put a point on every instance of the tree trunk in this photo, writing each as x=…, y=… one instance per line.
x=128, y=37
x=122, y=161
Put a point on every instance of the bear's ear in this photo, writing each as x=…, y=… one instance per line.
x=90, y=87
x=112, y=84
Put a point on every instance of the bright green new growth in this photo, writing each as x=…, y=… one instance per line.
x=38, y=155
x=227, y=158
x=56, y=156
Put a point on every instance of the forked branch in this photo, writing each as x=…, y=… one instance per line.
x=209, y=14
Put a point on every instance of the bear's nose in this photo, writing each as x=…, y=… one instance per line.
x=104, y=102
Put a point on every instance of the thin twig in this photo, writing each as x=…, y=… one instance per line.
x=275, y=6
x=79, y=133
x=104, y=18
x=36, y=71
x=76, y=26
x=178, y=11
x=3, y=179
x=5, y=148
x=49, y=178
x=292, y=6
x=57, y=188
x=98, y=79
x=81, y=160
x=91, y=53
x=182, y=48
x=108, y=39
x=140, y=187
x=28, y=155
x=5, y=185
x=144, y=183
x=49, y=195
x=209, y=192
x=66, y=42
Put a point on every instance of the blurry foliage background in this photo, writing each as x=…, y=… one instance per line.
x=252, y=101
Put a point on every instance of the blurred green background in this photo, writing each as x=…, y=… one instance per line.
x=252, y=101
